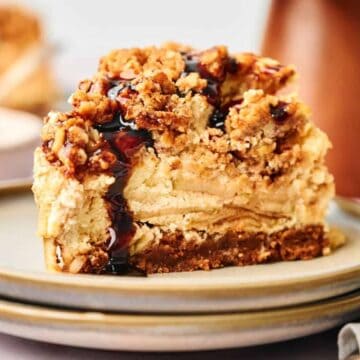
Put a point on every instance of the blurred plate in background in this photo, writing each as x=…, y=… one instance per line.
x=15, y=185
x=19, y=135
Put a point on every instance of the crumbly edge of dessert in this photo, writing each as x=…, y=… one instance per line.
x=73, y=218
x=161, y=97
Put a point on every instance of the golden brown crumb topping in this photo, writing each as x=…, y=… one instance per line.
x=172, y=92
x=71, y=142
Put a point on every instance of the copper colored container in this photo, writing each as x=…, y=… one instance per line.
x=322, y=37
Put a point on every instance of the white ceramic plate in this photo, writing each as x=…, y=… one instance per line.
x=22, y=275
x=176, y=332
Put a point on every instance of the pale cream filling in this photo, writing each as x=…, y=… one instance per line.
x=73, y=217
x=183, y=199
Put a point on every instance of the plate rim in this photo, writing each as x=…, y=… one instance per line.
x=40, y=314
x=14, y=185
x=101, y=283
x=349, y=205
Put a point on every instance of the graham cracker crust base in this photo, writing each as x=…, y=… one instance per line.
x=175, y=254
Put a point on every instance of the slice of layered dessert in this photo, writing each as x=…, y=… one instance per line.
x=26, y=81
x=174, y=159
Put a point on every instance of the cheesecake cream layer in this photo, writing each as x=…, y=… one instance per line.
x=73, y=217
x=199, y=191
x=186, y=197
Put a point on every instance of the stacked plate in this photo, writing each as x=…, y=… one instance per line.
x=223, y=308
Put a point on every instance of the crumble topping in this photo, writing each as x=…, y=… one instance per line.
x=71, y=142
x=168, y=91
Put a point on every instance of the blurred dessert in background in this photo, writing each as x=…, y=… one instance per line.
x=26, y=81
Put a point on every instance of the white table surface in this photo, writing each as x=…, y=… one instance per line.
x=320, y=347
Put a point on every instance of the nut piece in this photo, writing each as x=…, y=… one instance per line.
x=78, y=135
x=93, y=106
x=193, y=81
x=59, y=140
x=214, y=61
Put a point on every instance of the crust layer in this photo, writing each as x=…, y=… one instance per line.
x=174, y=253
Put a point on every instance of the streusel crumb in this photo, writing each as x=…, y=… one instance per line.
x=169, y=91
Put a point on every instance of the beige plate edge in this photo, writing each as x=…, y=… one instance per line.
x=10, y=186
x=134, y=286
x=34, y=314
x=349, y=205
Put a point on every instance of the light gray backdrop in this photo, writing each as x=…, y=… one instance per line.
x=87, y=29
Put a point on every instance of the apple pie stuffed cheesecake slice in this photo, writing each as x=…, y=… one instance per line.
x=174, y=159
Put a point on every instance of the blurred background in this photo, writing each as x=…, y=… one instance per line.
x=84, y=30
x=60, y=42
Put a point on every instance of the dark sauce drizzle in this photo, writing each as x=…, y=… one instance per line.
x=213, y=89
x=278, y=112
x=116, y=87
x=125, y=139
